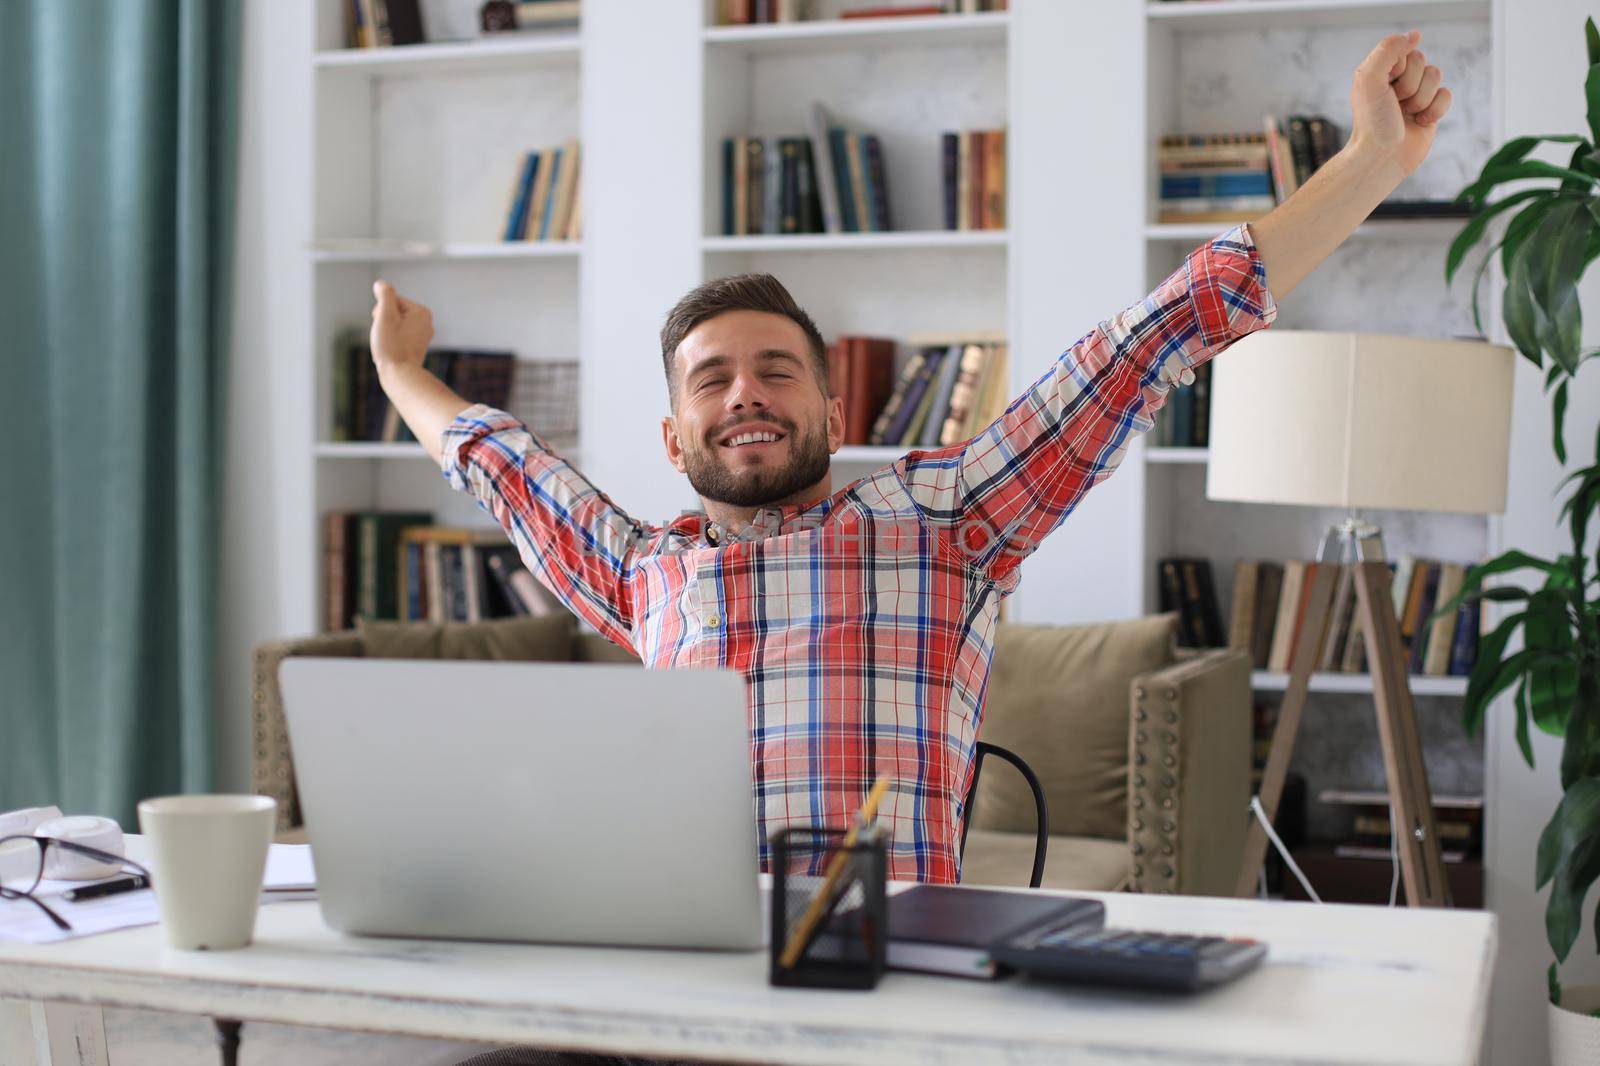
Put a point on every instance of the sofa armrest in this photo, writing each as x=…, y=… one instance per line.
x=1189, y=775
x=271, y=767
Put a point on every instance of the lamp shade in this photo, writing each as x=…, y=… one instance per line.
x=1361, y=420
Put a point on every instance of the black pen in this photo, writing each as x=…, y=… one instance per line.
x=105, y=888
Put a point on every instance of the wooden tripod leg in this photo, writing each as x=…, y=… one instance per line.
x=1415, y=837
x=1307, y=653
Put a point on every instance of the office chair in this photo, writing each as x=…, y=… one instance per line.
x=1042, y=838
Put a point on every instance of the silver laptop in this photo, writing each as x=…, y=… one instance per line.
x=571, y=803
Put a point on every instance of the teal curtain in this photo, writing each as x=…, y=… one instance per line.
x=117, y=171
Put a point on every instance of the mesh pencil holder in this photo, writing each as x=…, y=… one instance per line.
x=843, y=927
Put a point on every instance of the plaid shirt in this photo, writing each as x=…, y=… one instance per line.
x=864, y=623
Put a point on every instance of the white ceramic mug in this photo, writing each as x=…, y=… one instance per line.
x=208, y=855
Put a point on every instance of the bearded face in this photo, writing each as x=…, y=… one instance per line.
x=753, y=424
x=757, y=461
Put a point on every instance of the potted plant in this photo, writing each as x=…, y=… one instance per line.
x=1552, y=236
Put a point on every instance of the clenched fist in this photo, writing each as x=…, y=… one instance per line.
x=1397, y=100
x=402, y=329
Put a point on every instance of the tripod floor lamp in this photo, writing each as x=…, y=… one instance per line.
x=1360, y=421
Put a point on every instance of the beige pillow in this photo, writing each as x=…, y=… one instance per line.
x=542, y=640
x=1058, y=696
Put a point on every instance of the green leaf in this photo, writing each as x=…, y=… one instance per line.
x=1523, y=225
x=1519, y=311
x=1474, y=230
x=1509, y=154
x=1558, y=418
x=1524, y=170
x=1523, y=714
x=1579, y=161
x=1554, y=257
x=1592, y=37
x=1580, y=748
x=1486, y=670
x=1591, y=93
x=1552, y=982
x=1574, y=840
x=1503, y=563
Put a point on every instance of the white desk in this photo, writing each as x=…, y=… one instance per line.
x=1342, y=985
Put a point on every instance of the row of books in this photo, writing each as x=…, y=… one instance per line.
x=1185, y=421
x=833, y=181
x=745, y=12
x=505, y=16
x=399, y=566
x=1233, y=177
x=974, y=179
x=547, y=197
x=1366, y=829
x=945, y=393
x=382, y=23
x=362, y=411
x=1269, y=603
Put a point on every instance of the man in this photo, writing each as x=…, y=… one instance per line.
x=863, y=619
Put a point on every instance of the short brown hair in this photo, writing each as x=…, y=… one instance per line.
x=738, y=292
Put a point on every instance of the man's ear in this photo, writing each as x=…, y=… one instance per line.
x=669, y=437
x=835, y=423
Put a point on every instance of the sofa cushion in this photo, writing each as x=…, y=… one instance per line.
x=1084, y=864
x=593, y=648
x=1059, y=697
x=524, y=639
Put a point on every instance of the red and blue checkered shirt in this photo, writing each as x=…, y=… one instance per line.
x=864, y=623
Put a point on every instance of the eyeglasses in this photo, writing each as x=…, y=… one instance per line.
x=24, y=886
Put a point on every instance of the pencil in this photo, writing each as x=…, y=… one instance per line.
x=819, y=903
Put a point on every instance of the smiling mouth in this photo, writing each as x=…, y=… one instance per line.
x=753, y=438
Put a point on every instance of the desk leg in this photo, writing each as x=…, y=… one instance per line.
x=52, y=1034
x=228, y=1040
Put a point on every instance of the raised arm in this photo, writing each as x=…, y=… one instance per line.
x=1396, y=102
x=401, y=332
x=569, y=534
x=998, y=495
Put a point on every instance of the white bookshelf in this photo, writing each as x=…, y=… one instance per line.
x=1388, y=278
x=514, y=52
x=1267, y=681
x=414, y=154
x=917, y=240
x=987, y=28
x=1308, y=14
x=906, y=79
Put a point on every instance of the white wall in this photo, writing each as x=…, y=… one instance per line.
x=1544, y=65
x=264, y=494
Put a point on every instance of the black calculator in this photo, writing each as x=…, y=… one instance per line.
x=1129, y=957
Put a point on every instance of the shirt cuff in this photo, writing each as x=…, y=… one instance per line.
x=472, y=425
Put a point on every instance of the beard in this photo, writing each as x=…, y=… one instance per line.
x=714, y=479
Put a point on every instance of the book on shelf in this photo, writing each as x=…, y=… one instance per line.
x=1186, y=586
x=831, y=181
x=861, y=373
x=945, y=393
x=361, y=410
x=1217, y=177
x=1365, y=826
x=973, y=179
x=1237, y=177
x=1184, y=421
x=511, y=16
x=451, y=574
x=1278, y=593
x=756, y=12
x=383, y=23
x=360, y=562
x=544, y=196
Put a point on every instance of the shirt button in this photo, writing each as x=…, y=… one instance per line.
x=712, y=621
